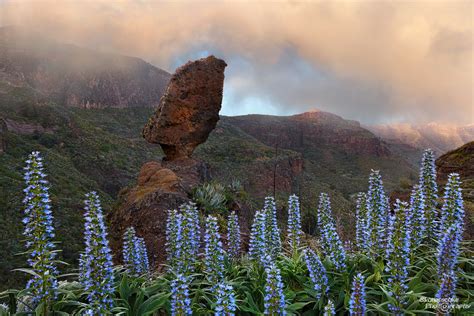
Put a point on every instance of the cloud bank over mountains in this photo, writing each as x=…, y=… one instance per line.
x=376, y=62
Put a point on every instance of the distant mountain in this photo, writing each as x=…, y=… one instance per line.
x=76, y=76
x=461, y=160
x=439, y=137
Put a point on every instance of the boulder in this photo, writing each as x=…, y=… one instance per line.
x=189, y=109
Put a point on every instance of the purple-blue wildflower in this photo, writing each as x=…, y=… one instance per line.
x=272, y=232
x=448, y=250
x=274, y=299
x=357, y=304
x=257, y=243
x=377, y=213
x=317, y=273
x=174, y=236
x=144, y=266
x=180, y=301
x=225, y=300
x=131, y=256
x=329, y=309
x=331, y=242
x=417, y=209
x=452, y=212
x=191, y=228
x=213, y=252
x=362, y=220
x=429, y=188
x=447, y=290
x=233, y=236
x=398, y=254
x=97, y=268
x=39, y=232
x=294, y=223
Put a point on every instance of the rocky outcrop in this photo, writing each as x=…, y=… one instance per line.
x=76, y=76
x=189, y=109
x=460, y=160
x=188, y=112
x=161, y=186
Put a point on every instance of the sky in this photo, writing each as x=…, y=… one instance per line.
x=372, y=61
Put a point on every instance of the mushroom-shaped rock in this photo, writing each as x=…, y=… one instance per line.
x=189, y=109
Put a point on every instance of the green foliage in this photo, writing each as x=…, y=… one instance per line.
x=211, y=197
x=151, y=295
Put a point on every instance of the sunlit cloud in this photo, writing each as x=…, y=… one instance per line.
x=365, y=60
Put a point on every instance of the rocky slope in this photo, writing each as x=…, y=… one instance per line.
x=461, y=160
x=76, y=76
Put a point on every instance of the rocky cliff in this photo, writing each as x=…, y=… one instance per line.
x=311, y=130
x=76, y=76
x=461, y=160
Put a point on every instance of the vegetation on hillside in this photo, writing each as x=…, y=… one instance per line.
x=406, y=260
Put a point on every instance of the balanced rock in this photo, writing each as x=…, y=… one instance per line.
x=189, y=109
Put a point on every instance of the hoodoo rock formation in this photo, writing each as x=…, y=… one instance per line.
x=189, y=109
x=188, y=112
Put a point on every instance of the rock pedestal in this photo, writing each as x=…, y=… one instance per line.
x=188, y=112
x=189, y=109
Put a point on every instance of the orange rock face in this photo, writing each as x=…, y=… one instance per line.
x=189, y=109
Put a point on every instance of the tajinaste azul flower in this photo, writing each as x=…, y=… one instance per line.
x=378, y=213
x=332, y=244
x=324, y=212
x=448, y=252
x=39, y=232
x=272, y=232
x=258, y=244
x=362, y=220
x=131, y=256
x=180, y=301
x=274, y=300
x=398, y=254
x=233, y=236
x=191, y=236
x=144, y=266
x=317, y=273
x=225, y=300
x=417, y=209
x=213, y=252
x=329, y=309
x=294, y=223
x=174, y=235
x=447, y=291
x=96, y=261
x=452, y=212
x=357, y=304
x=430, y=192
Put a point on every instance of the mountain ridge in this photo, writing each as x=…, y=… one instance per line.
x=77, y=76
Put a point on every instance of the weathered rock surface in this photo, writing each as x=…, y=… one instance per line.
x=189, y=109
x=188, y=112
x=161, y=186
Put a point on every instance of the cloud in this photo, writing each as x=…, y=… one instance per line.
x=367, y=60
